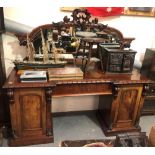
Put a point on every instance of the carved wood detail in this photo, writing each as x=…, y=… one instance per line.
x=115, y=89
x=146, y=89
x=82, y=21
x=48, y=93
x=10, y=94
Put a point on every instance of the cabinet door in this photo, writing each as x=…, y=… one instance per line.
x=28, y=113
x=126, y=107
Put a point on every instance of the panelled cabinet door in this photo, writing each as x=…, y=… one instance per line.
x=126, y=107
x=29, y=113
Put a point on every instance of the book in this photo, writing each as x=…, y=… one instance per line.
x=33, y=73
x=33, y=80
x=65, y=78
x=33, y=76
x=65, y=72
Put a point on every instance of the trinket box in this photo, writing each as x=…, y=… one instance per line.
x=116, y=60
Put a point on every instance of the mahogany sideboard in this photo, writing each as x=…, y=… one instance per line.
x=121, y=98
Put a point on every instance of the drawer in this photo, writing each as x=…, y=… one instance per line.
x=116, y=58
x=114, y=68
x=77, y=89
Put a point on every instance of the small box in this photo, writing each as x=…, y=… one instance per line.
x=116, y=60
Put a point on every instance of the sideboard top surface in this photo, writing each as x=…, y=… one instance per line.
x=95, y=76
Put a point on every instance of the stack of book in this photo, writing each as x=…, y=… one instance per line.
x=33, y=76
x=67, y=73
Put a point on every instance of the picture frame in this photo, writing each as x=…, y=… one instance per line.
x=128, y=11
x=140, y=11
x=70, y=9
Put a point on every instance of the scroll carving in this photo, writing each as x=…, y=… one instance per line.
x=115, y=90
x=48, y=94
x=81, y=21
x=10, y=95
x=145, y=90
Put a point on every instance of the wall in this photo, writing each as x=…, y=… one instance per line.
x=12, y=51
x=142, y=28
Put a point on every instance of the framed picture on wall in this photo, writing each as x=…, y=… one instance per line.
x=129, y=11
x=140, y=11
x=70, y=9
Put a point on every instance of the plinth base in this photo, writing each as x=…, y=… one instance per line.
x=112, y=131
x=30, y=140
